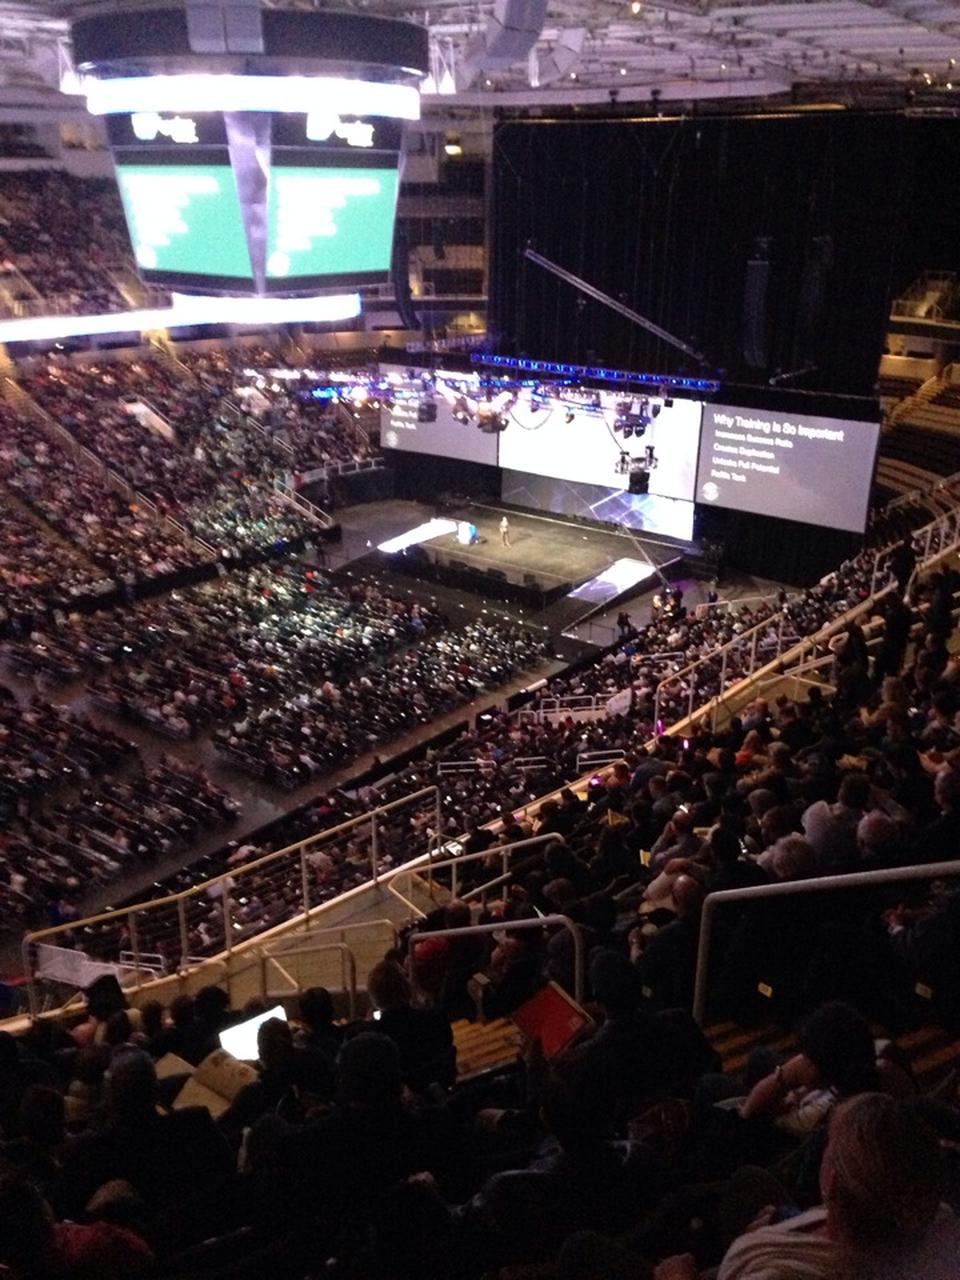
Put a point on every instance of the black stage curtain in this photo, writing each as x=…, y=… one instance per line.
x=666, y=214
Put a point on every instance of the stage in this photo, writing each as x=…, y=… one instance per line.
x=548, y=561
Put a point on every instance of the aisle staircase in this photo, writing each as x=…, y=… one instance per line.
x=922, y=396
x=932, y=1052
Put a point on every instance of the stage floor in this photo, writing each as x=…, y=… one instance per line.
x=552, y=550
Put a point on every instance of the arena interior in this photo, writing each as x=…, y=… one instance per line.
x=479, y=667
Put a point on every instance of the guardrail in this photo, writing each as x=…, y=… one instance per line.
x=301, y=504
x=792, y=889
x=228, y=887
x=459, y=860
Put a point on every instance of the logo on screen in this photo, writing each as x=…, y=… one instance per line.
x=355, y=133
x=710, y=491
x=148, y=126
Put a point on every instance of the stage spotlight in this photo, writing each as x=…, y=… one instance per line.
x=569, y=416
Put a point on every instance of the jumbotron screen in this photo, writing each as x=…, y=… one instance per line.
x=793, y=466
x=185, y=221
x=264, y=202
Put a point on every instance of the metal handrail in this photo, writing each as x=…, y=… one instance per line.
x=225, y=879
x=346, y=954
x=792, y=889
x=458, y=860
x=511, y=926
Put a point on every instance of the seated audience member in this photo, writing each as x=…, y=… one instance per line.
x=422, y=1036
x=35, y=1247
x=163, y=1158
x=881, y=1216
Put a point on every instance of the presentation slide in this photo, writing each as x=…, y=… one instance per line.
x=334, y=222
x=437, y=412
x=791, y=466
x=646, y=444
x=185, y=219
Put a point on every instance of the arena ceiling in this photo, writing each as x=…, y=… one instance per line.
x=856, y=52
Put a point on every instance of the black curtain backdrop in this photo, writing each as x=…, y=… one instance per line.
x=665, y=214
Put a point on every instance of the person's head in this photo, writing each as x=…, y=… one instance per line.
x=760, y=800
x=779, y=755
x=687, y=894
x=880, y=1179
x=893, y=690
x=182, y=1011
x=456, y=915
x=778, y=822
x=561, y=894
x=368, y=1069
x=855, y=791
x=682, y=821
x=131, y=1085
x=210, y=1005
x=118, y=1030
x=724, y=846
x=388, y=986
x=789, y=858
x=879, y=837
x=837, y=1040
x=151, y=1018
x=105, y=997
x=316, y=1008
x=274, y=1044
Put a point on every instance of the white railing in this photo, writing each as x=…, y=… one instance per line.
x=455, y=865
x=588, y=760
x=306, y=508
x=228, y=886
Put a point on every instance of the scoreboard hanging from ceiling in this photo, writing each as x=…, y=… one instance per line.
x=271, y=202
x=252, y=174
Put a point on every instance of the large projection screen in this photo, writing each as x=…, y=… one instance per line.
x=600, y=438
x=418, y=414
x=790, y=466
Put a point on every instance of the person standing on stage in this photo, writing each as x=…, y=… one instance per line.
x=505, y=531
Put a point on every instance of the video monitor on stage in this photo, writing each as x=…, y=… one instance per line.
x=439, y=412
x=618, y=457
x=790, y=466
x=634, y=442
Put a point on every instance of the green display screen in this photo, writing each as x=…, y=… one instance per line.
x=185, y=219
x=330, y=221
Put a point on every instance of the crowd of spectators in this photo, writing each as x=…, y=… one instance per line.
x=313, y=432
x=65, y=235
x=505, y=763
x=77, y=808
x=354, y=1148
x=113, y=534
x=203, y=465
